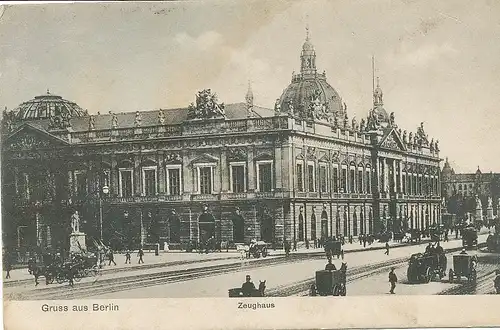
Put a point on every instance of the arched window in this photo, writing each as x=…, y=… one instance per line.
x=313, y=227
x=354, y=224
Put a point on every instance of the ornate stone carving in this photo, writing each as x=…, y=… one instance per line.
x=91, y=123
x=60, y=120
x=29, y=141
x=236, y=154
x=410, y=139
x=354, y=124
x=390, y=142
x=138, y=119
x=114, y=121
x=161, y=117
x=277, y=106
x=173, y=158
x=436, y=146
x=206, y=106
x=421, y=138
x=346, y=121
x=362, y=125
x=392, y=119
x=311, y=153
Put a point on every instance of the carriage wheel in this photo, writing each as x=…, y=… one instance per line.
x=473, y=276
x=450, y=275
x=77, y=277
x=264, y=253
x=343, y=291
x=60, y=278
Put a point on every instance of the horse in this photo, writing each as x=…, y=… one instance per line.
x=262, y=287
x=243, y=250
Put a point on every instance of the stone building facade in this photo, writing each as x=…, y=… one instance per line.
x=301, y=171
x=459, y=190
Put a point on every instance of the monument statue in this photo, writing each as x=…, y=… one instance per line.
x=75, y=222
x=479, y=205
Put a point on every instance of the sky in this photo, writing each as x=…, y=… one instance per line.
x=438, y=61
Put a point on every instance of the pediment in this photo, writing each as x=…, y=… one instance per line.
x=205, y=158
x=392, y=141
x=264, y=156
x=28, y=137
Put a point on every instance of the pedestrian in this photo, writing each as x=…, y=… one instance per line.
x=386, y=248
x=307, y=244
x=111, y=258
x=364, y=241
x=315, y=244
x=140, y=254
x=446, y=236
x=393, y=279
x=8, y=267
x=127, y=257
x=294, y=245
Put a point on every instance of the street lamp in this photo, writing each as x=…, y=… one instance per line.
x=105, y=191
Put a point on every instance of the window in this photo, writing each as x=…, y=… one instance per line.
x=344, y=180
x=205, y=180
x=301, y=227
x=352, y=180
x=335, y=179
x=174, y=180
x=80, y=184
x=398, y=179
x=237, y=177
x=149, y=181
x=323, y=178
x=265, y=176
x=404, y=183
x=126, y=183
x=311, y=176
x=368, y=181
x=360, y=180
x=300, y=177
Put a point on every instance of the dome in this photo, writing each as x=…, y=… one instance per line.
x=307, y=91
x=309, y=95
x=47, y=106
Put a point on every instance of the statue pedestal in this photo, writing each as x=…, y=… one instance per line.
x=479, y=215
x=489, y=214
x=77, y=242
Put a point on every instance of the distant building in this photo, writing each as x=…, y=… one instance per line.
x=301, y=171
x=459, y=189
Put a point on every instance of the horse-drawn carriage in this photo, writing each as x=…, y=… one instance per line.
x=463, y=265
x=330, y=282
x=256, y=249
x=435, y=232
x=241, y=292
x=333, y=247
x=415, y=235
x=61, y=271
x=469, y=237
x=493, y=242
x=423, y=267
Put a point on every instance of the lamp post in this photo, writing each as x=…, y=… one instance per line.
x=104, y=191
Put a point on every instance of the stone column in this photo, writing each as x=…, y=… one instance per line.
x=278, y=168
x=114, y=176
x=187, y=176
x=224, y=171
x=137, y=175
x=252, y=180
x=160, y=159
x=287, y=166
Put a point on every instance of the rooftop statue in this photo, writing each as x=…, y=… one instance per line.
x=114, y=121
x=161, y=117
x=138, y=119
x=91, y=123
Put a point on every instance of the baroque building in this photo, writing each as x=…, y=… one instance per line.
x=301, y=171
x=459, y=190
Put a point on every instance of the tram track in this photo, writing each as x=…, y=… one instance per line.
x=483, y=285
x=110, y=285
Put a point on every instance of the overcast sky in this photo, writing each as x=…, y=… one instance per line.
x=438, y=61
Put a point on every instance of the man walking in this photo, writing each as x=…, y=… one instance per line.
x=127, y=257
x=386, y=248
x=111, y=258
x=140, y=254
x=393, y=279
x=7, y=265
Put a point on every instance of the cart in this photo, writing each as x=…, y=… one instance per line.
x=330, y=282
x=464, y=265
x=333, y=248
